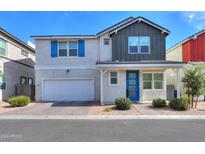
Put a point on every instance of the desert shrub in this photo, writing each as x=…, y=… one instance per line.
x=158, y=103
x=19, y=101
x=180, y=104
x=123, y=103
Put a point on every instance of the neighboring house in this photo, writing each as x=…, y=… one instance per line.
x=124, y=60
x=191, y=50
x=16, y=64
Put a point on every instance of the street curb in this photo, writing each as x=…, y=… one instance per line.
x=100, y=117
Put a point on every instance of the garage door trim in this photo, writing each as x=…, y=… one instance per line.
x=59, y=79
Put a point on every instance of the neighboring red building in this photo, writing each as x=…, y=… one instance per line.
x=191, y=49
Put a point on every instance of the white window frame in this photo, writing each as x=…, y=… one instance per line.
x=59, y=48
x=24, y=53
x=118, y=76
x=158, y=80
x=68, y=51
x=104, y=41
x=147, y=81
x=72, y=48
x=163, y=81
x=138, y=46
x=6, y=42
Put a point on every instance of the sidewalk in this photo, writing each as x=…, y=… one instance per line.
x=102, y=117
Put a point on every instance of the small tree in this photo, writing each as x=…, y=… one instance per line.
x=194, y=84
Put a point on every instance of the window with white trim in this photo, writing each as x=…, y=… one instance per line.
x=62, y=49
x=68, y=49
x=23, y=80
x=113, y=77
x=30, y=81
x=158, y=81
x=147, y=81
x=153, y=81
x=2, y=47
x=25, y=53
x=139, y=45
x=73, y=48
x=2, y=81
x=106, y=41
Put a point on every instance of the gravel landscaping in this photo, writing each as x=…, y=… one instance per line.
x=145, y=109
x=93, y=109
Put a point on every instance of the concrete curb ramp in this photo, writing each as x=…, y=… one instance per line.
x=100, y=117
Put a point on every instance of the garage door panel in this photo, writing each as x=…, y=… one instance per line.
x=68, y=90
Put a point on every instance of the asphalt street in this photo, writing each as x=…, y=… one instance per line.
x=102, y=130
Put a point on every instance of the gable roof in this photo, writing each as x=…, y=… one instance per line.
x=140, y=19
x=185, y=40
x=17, y=40
x=120, y=25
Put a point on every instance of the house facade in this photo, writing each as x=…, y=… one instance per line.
x=191, y=50
x=16, y=64
x=124, y=60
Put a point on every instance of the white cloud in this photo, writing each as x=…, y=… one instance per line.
x=31, y=44
x=197, y=19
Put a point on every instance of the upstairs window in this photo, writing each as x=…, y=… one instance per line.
x=144, y=44
x=106, y=41
x=139, y=45
x=62, y=49
x=68, y=49
x=133, y=45
x=73, y=48
x=25, y=53
x=2, y=47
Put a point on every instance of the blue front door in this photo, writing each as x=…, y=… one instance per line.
x=133, y=86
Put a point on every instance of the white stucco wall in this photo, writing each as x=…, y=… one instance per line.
x=105, y=50
x=43, y=55
x=111, y=92
x=149, y=95
x=175, y=54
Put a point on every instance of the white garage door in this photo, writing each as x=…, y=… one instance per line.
x=69, y=90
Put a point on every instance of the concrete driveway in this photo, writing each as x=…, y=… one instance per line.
x=53, y=108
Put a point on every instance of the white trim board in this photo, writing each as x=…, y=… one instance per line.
x=139, y=19
x=62, y=67
x=138, y=65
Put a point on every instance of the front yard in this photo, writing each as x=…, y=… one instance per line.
x=75, y=108
x=145, y=109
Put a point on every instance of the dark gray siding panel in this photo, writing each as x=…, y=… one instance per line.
x=120, y=43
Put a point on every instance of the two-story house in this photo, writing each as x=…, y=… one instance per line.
x=124, y=60
x=16, y=64
x=191, y=50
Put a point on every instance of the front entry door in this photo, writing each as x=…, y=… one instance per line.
x=133, y=87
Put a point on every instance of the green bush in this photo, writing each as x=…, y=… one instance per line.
x=180, y=104
x=19, y=101
x=159, y=103
x=123, y=103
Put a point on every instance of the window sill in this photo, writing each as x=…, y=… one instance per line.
x=153, y=89
x=139, y=53
x=74, y=57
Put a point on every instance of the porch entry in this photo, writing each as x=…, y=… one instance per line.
x=133, y=85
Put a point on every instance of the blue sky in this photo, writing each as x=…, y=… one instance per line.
x=25, y=24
